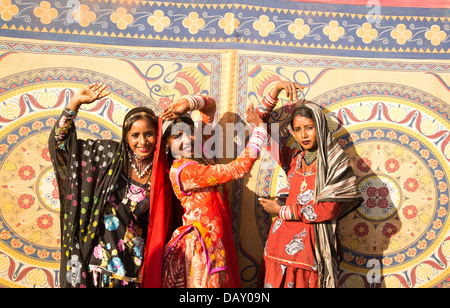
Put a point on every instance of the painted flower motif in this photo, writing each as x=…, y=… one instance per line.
x=122, y=18
x=229, y=24
x=37, y=277
x=429, y=127
x=392, y=165
x=111, y=222
x=264, y=26
x=45, y=12
x=45, y=221
x=84, y=15
x=410, y=211
x=361, y=229
x=377, y=197
x=401, y=34
x=389, y=230
x=158, y=21
x=7, y=11
x=367, y=33
x=364, y=164
x=435, y=35
x=299, y=29
x=26, y=173
x=333, y=31
x=397, y=113
x=25, y=201
x=193, y=22
x=10, y=111
x=46, y=154
x=164, y=101
x=411, y=185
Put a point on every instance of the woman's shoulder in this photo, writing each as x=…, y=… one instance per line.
x=183, y=162
x=99, y=144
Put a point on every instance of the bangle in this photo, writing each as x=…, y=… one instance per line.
x=285, y=212
x=196, y=102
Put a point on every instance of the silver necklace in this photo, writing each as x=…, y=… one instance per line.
x=310, y=157
x=140, y=165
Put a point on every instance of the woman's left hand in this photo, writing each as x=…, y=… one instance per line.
x=176, y=109
x=252, y=117
x=270, y=206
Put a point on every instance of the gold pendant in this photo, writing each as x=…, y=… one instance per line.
x=303, y=186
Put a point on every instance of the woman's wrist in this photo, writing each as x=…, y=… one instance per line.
x=74, y=105
x=196, y=102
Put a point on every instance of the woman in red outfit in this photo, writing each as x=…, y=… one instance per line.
x=201, y=253
x=302, y=249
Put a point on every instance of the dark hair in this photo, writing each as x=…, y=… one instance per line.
x=168, y=130
x=138, y=114
x=301, y=111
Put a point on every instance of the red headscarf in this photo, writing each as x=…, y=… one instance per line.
x=160, y=217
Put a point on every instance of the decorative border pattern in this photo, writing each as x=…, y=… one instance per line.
x=316, y=30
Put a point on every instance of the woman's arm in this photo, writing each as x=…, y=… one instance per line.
x=205, y=104
x=310, y=213
x=193, y=175
x=85, y=95
x=269, y=102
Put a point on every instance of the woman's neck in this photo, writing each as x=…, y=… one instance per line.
x=310, y=157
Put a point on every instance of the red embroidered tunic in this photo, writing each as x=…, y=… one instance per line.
x=290, y=247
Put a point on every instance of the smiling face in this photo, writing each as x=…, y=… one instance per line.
x=305, y=132
x=141, y=137
x=182, y=143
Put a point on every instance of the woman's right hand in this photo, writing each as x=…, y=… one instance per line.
x=290, y=88
x=176, y=110
x=87, y=95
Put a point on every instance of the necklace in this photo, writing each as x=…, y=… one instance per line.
x=141, y=165
x=305, y=172
x=128, y=189
x=310, y=157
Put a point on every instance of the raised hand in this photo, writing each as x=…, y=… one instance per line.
x=253, y=118
x=175, y=110
x=290, y=88
x=87, y=95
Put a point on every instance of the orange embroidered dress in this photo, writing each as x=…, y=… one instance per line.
x=201, y=253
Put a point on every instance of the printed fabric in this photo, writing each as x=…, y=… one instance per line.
x=103, y=241
x=334, y=186
x=202, y=253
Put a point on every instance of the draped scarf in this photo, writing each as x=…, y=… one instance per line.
x=335, y=182
x=223, y=205
x=87, y=173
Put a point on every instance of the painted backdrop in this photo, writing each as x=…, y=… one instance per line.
x=379, y=68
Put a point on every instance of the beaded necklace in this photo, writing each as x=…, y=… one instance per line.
x=141, y=165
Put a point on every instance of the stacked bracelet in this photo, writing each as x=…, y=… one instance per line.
x=257, y=140
x=196, y=102
x=285, y=212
